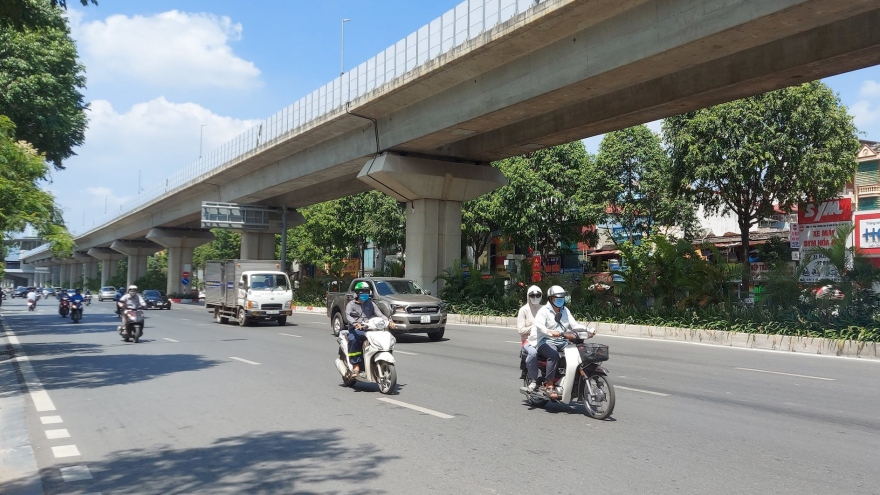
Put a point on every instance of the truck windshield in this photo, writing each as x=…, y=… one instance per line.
x=269, y=281
x=387, y=287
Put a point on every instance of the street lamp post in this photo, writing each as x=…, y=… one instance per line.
x=342, y=50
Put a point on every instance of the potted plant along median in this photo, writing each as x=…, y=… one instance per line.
x=183, y=298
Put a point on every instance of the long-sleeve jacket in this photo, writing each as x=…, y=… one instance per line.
x=359, y=313
x=545, y=323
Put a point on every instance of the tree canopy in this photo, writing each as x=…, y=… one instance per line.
x=225, y=246
x=20, y=14
x=22, y=202
x=630, y=178
x=774, y=150
x=41, y=80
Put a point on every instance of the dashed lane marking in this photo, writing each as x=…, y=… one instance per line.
x=416, y=408
x=290, y=335
x=53, y=434
x=169, y=340
x=65, y=451
x=404, y=352
x=787, y=374
x=76, y=473
x=514, y=342
x=243, y=360
x=641, y=391
x=50, y=420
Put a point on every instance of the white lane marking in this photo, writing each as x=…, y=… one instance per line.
x=513, y=342
x=53, y=434
x=416, y=408
x=13, y=339
x=76, y=473
x=243, y=360
x=41, y=399
x=65, y=451
x=289, y=335
x=318, y=323
x=642, y=391
x=50, y=420
x=169, y=340
x=787, y=374
x=185, y=319
x=404, y=352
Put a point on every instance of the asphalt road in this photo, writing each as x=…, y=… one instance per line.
x=199, y=407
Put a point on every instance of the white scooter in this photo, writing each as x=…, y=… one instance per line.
x=378, y=360
x=581, y=378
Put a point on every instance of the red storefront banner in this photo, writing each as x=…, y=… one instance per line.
x=835, y=210
x=536, y=268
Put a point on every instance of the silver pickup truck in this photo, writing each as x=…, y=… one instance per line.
x=412, y=309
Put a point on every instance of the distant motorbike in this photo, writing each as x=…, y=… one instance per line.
x=133, y=328
x=581, y=378
x=378, y=358
x=88, y=299
x=31, y=304
x=64, y=308
x=76, y=311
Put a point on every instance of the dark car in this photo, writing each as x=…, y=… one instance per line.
x=156, y=299
x=21, y=292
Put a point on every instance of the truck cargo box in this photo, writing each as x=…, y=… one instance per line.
x=221, y=278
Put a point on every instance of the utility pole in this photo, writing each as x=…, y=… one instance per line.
x=342, y=50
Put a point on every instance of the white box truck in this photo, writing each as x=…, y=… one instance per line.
x=248, y=291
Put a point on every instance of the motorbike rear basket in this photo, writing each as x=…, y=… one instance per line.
x=594, y=353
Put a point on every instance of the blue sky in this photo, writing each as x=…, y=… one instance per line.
x=159, y=70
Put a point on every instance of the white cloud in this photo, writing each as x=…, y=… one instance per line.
x=864, y=113
x=146, y=143
x=870, y=88
x=171, y=49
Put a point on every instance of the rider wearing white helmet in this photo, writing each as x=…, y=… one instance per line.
x=551, y=322
x=131, y=300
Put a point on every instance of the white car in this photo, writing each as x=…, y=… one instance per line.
x=106, y=293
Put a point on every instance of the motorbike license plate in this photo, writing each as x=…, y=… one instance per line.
x=426, y=319
x=271, y=312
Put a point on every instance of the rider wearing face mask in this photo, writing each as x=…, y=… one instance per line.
x=525, y=321
x=358, y=311
x=551, y=322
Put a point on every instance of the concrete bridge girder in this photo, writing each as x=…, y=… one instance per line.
x=180, y=244
x=137, y=252
x=434, y=191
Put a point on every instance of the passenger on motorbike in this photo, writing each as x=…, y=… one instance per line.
x=551, y=322
x=525, y=320
x=358, y=311
x=132, y=300
x=76, y=297
x=32, y=298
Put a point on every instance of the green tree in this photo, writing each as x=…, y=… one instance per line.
x=22, y=202
x=40, y=82
x=479, y=222
x=20, y=14
x=225, y=246
x=780, y=148
x=543, y=204
x=630, y=178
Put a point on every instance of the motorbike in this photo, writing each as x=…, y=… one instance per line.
x=64, y=308
x=76, y=311
x=31, y=304
x=580, y=378
x=378, y=358
x=133, y=328
x=88, y=299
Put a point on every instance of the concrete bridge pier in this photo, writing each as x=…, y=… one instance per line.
x=89, y=265
x=137, y=252
x=180, y=244
x=109, y=262
x=63, y=273
x=55, y=274
x=433, y=191
x=75, y=270
x=257, y=246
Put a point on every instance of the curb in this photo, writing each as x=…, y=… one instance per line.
x=310, y=309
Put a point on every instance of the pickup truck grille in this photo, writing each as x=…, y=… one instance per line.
x=423, y=309
x=270, y=306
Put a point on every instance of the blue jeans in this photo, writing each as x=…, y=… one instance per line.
x=531, y=361
x=356, y=340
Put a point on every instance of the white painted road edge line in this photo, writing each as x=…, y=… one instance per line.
x=290, y=335
x=416, y=408
x=641, y=391
x=170, y=340
x=243, y=360
x=55, y=434
x=787, y=374
x=41, y=399
x=50, y=420
x=404, y=352
x=65, y=451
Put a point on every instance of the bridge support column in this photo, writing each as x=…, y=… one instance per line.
x=63, y=274
x=109, y=262
x=180, y=244
x=76, y=272
x=54, y=274
x=257, y=246
x=89, y=265
x=433, y=191
x=137, y=252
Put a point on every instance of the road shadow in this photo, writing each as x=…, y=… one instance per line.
x=417, y=338
x=52, y=324
x=290, y=462
x=93, y=371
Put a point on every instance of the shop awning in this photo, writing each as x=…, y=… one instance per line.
x=604, y=253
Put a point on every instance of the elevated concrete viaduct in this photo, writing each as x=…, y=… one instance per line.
x=560, y=71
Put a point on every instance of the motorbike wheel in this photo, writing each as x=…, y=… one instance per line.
x=601, y=404
x=534, y=401
x=386, y=377
x=137, y=335
x=75, y=317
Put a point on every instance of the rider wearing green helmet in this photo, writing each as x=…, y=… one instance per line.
x=358, y=311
